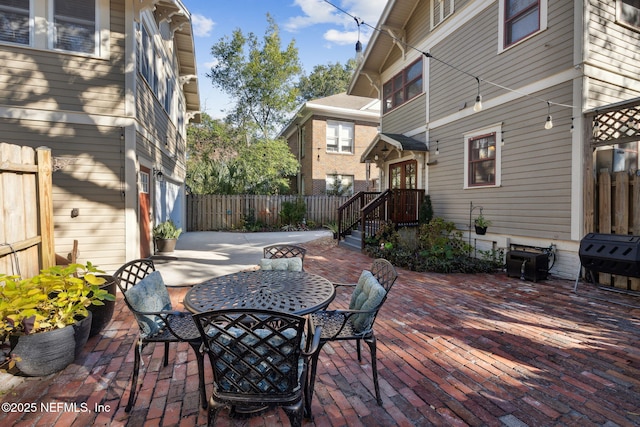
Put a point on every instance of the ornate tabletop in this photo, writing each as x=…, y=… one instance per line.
x=286, y=291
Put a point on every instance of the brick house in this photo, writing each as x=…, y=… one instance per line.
x=328, y=137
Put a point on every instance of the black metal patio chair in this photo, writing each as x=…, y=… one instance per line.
x=284, y=251
x=260, y=360
x=356, y=323
x=148, y=298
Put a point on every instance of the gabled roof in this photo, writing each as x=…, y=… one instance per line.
x=392, y=21
x=339, y=106
x=397, y=141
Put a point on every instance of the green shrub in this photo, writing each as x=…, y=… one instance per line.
x=441, y=249
x=293, y=212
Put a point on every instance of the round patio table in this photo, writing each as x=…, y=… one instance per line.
x=296, y=292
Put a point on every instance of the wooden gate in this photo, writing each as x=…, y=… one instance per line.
x=26, y=229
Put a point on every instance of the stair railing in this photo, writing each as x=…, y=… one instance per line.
x=373, y=214
x=349, y=214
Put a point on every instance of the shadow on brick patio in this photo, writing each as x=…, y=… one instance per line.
x=477, y=350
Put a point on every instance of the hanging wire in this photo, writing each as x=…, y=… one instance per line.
x=428, y=55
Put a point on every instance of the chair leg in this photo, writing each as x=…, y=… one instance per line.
x=166, y=353
x=294, y=412
x=201, y=386
x=358, y=350
x=134, y=377
x=312, y=379
x=371, y=341
x=214, y=409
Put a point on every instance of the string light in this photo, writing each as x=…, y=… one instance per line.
x=359, y=54
x=478, y=103
x=549, y=123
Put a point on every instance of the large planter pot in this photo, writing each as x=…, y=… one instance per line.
x=165, y=245
x=81, y=330
x=45, y=353
x=102, y=314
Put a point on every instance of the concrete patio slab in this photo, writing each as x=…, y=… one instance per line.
x=201, y=255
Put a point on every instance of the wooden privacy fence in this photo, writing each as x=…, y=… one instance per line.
x=26, y=229
x=618, y=212
x=228, y=212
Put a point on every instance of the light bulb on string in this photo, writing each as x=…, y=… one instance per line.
x=359, y=54
x=478, y=105
x=549, y=123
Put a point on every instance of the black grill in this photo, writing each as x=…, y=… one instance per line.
x=611, y=253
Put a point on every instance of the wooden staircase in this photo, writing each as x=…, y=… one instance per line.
x=360, y=217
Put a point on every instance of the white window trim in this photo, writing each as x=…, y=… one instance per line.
x=619, y=20
x=328, y=182
x=544, y=7
x=442, y=16
x=497, y=129
x=340, y=125
x=42, y=31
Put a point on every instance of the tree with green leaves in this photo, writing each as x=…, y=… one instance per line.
x=326, y=80
x=219, y=161
x=259, y=76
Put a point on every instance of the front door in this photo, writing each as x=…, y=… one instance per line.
x=403, y=176
x=145, y=213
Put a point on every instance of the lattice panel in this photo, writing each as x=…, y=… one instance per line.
x=618, y=124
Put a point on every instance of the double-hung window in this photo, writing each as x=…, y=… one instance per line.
x=440, y=10
x=339, y=137
x=66, y=26
x=74, y=23
x=482, y=158
x=14, y=22
x=403, y=86
x=521, y=19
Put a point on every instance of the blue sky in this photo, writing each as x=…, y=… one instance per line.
x=321, y=32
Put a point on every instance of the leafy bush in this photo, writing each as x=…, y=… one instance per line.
x=293, y=212
x=440, y=249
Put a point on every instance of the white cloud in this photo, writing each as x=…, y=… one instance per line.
x=341, y=37
x=202, y=25
x=344, y=29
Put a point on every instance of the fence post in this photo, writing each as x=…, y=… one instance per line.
x=45, y=202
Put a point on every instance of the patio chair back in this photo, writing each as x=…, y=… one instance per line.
x=259, y=359
x=356, y=323
x=162, y=325
x=284, y=251
x=133, y=272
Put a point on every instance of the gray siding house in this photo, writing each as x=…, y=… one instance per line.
x=530, y=63
x=109, y=86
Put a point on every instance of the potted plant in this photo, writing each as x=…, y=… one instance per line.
x=165, y=236
x=44, y=320
x=333, y=226
x=481, y=224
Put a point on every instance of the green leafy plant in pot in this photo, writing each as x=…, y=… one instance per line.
x=333, y=226
x=165, y=236
x=481, y=224
x=45, y=320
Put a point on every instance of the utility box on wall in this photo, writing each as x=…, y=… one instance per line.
x=532, y=266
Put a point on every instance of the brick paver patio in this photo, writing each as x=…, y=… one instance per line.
x=453, y=350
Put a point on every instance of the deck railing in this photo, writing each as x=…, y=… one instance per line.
x=349, y=214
